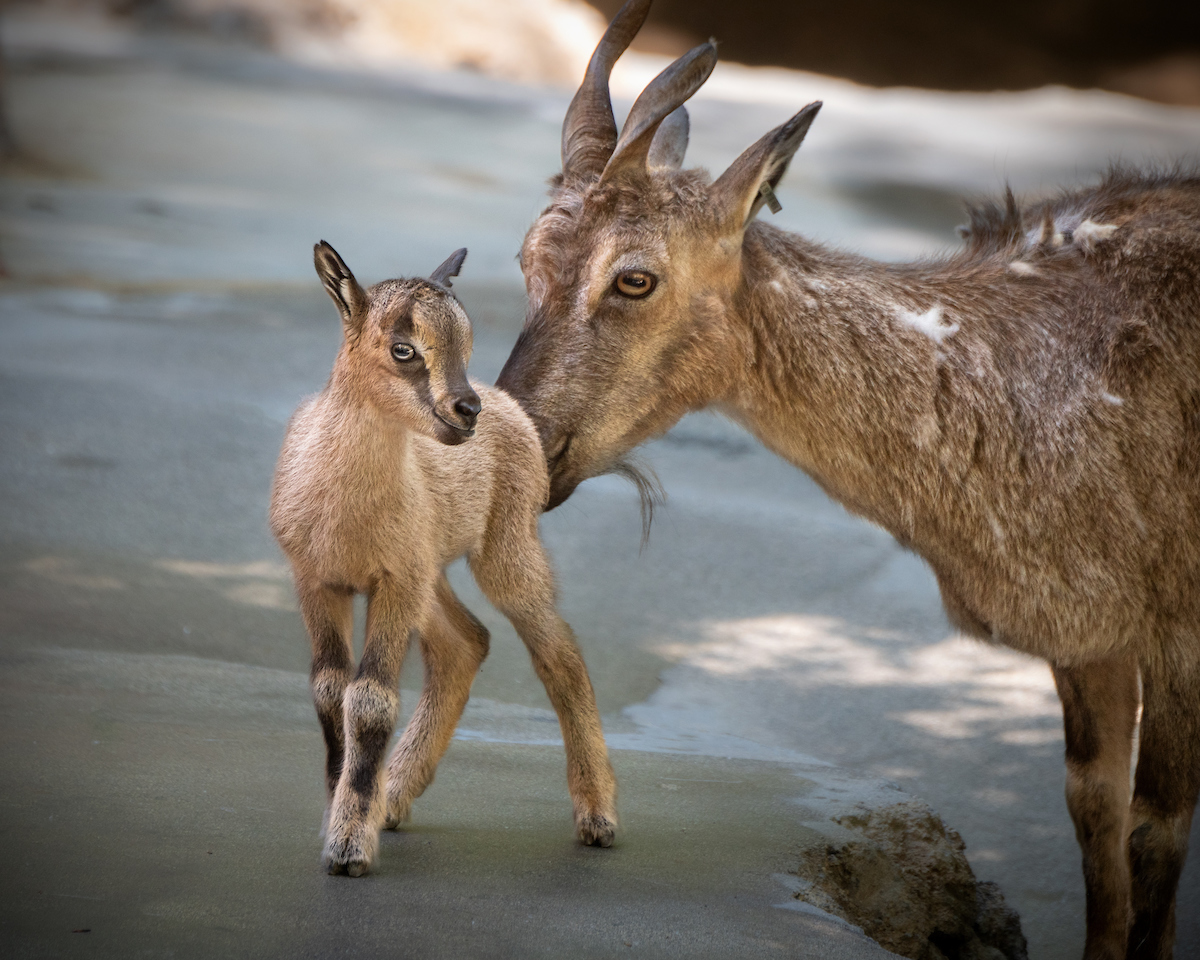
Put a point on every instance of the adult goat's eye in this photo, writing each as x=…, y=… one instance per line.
x=402, y=352
x=634, y=283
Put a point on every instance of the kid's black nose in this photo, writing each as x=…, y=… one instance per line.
x=468, y=407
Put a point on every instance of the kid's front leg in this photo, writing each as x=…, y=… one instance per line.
x=369, y=708
x=329, y=617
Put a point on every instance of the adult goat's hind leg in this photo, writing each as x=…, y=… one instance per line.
x=1099, y=712
x=394, y=610
x=453, y=645
x=1165, y=792
x=329, y=617
x=516, y=577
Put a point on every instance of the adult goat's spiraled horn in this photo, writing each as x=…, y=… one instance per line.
x=589, y=131
x=662, y=96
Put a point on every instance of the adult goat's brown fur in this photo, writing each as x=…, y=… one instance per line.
x=379, y=487
x=1025, y=415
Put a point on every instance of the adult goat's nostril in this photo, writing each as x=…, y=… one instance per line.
x=467, y=407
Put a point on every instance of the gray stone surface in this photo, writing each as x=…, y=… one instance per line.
x=160, y=323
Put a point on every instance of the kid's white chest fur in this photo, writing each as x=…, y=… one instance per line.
x=350, y=499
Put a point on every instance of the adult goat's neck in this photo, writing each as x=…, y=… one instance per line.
x=842, y=359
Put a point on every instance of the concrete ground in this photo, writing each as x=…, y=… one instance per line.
x=764, y=655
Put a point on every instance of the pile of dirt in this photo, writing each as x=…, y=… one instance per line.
x=901, y=874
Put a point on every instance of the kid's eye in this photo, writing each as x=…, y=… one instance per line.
x=402, y=352
x=634, y=283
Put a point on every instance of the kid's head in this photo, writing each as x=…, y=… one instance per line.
x=407, y=345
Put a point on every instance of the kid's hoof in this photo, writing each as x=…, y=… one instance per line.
x=396, y=819
x=597, y=831
x=347, y=858
x=355, y=868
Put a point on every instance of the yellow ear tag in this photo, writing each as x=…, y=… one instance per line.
x=768, y=194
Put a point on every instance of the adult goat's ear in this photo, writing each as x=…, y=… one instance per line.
x=341, y=286
x=670, y=142
x=751, y=179
x=449, y=267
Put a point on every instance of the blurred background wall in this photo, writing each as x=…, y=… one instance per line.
x=1149, y=49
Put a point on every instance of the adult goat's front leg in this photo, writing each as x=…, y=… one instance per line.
x=519, y=582
x=1164, y=798
x=453, y=645
x=1099, y=712
x=370, y=707
x=329, y=617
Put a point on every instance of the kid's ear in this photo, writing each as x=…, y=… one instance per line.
x=449, y=268
x=751, y=179
x=341, y=286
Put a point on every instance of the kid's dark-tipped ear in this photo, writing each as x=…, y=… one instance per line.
x=449, y=268
x=751, y=179
x=341, y=286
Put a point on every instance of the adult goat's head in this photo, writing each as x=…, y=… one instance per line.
x=631, y=268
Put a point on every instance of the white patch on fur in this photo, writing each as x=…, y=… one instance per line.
x=928, y=323
x=1113, y=399
x=1045, y=233
x=1089, y=233
x=776, y=286
x=1023, y=269
x=997, y=531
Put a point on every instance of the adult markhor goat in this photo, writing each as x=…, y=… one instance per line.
x=1024, y=414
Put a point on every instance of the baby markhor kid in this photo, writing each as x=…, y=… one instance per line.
x=396, y=469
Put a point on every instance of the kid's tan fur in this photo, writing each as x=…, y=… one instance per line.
x=1025, y=415
x=396, y=469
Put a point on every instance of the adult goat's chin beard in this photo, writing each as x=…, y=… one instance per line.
x=650, y=490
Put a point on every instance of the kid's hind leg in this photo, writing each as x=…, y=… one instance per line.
x=329, y=617
x=517, y=579
x=453, y=645
x=1165, y=791
x=369, y=709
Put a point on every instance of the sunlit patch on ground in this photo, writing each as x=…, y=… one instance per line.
x=992, y=686
x=257, y=584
